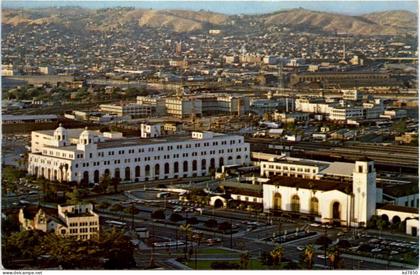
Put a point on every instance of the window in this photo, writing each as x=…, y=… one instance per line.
x=295, y=205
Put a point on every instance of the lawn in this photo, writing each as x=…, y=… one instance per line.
x=211, y=251
x=254, y=264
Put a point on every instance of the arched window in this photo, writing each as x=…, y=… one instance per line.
x=147, y=170
x=212, y=163
x=185, y=168
x=137, y=171
x=203, y=164
x=166, y=168
x=295, y=205
x=221, y=162
x=176, y=167
x=117, y=173
x=96, y=176
x=157, y=170
x=314, y=205
x=194, y=165
x=127, y=173
x=277, y=201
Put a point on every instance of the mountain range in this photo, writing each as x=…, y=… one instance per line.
x=379, y=23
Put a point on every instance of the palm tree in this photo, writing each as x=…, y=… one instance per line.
x=333, y=257
x=277, y=254
x=308, y=255
x=244, y=260
x=186, y=228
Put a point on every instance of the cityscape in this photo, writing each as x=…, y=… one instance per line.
x=210, y=135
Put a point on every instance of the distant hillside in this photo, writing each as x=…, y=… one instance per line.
x=369, y=24
x=381, y=23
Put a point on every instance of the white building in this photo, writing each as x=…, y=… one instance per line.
x=333, y=201
x=85, y=156
x=150, y=130
x=132, y=109
x=183, y=107
x=352, y=95
x=77, y=221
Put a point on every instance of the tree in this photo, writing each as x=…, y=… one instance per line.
x=132, y=210
x=176, y=217
x=277, y=254
x=115, y=183
x=104, y=182
x=158, y=214
x=225, y=226
x=399, y=126
x=308, y=255
x=186, y=228
x=333, y=255
x=117, y=207
x=74, y=197
x=380, y=224
x=211, y=223
x=244, y=260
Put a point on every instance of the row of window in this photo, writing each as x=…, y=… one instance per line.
x=76, y=224
x=175, y=156
x=287, y=168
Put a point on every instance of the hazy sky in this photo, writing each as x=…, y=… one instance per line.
x=232, y=7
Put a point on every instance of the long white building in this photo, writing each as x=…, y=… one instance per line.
x=85, y=156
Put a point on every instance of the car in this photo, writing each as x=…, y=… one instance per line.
x=33, y=192
x=315, y=225
x=340, y=234
x=300, y=248
x=199, y=210
x=214, y=241
x=393, y=252
x=323, y=257
x=376, y=250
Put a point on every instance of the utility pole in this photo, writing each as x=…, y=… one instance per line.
x=231, y=234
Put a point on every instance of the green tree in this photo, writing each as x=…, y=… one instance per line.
x=117, y=207
x=333, y=255
x=75, y=196
x=308, y=256
x=399, y=126
x=104, y=182
x=115, y=183
x=186, y=228
x=244, y=260
x=132, y=210
x=277, y=254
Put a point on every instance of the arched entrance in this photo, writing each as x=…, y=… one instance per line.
x=336, y=212
x=295, y=204
x=166, y=168
x=96, y=176
x=203, y=165
x=137, y=171
x=157, y=170
x=85, y=179
x=396, y=220
x=385, y=217
x=117, y=173
x=221, y=162
x=127, y=173
x=176, y=167
x=218, y=203
x=106, y=173
x=277, y=201
x=314, y=205
x=212, y=163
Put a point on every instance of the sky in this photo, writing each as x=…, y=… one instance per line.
x=231, y=7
